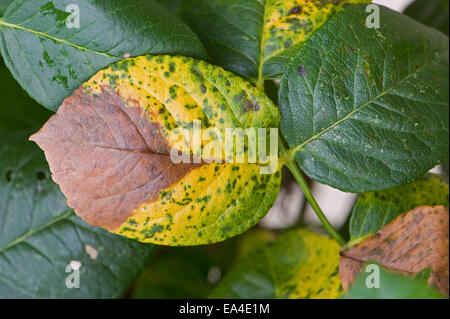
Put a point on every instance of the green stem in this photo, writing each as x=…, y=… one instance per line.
x=295, y=170
x=260, y=84
x=312, y=201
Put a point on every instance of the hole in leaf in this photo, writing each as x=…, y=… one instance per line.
x=40, y=176
x=8, y=176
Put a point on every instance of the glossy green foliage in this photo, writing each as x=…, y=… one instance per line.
x=367, y=109
x=50, y=57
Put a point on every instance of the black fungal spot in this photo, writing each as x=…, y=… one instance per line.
x=301, y=70
x=8, y=176
x=296, y=10
x=149, y=233
x=41, y=176
x=132, y=222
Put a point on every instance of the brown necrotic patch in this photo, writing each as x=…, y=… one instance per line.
x=409, y=244
x=107, y=156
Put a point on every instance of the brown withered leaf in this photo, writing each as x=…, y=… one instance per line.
x=413, y=241
x=106, y=165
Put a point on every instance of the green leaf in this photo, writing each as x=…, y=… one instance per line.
x=255, y=38
x=51, y=60
x=17, y=110
x=368, y=109
x=188, y=272
x=174, y=6
x=424, y=275
x=392, y=286
x=40, y=236
x=374, y=210
x=299, y=264
x=3, y=5
x=123, y=128
x=433, y=13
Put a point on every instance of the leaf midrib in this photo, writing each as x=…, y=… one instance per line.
x=292, y=151
x=48, y=36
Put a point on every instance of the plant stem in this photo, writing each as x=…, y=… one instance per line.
x=260, y=84
x=312, y=201
x=296, y=172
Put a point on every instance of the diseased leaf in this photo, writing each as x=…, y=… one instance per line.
x=256, y=38
x=298, y=265
x=50, y=60
x=17, y=110
x=410, y=243
x=40, y=236
x=433, y=13
x=109, y=149
x=374, y=210
x=367, y=109
x=392, y=286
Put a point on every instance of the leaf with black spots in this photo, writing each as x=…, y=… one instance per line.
x=110, y=148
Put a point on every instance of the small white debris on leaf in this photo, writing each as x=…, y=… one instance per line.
x=214, y=275
x=91, y=251
x=126, y=55
x=75, y=264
